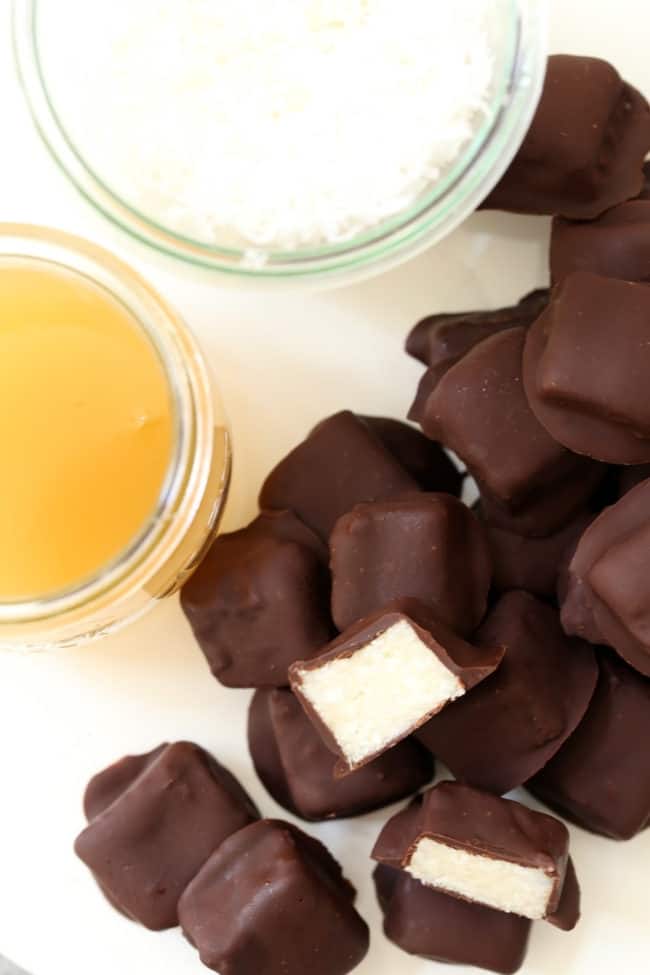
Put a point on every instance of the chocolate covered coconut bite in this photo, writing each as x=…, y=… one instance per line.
x=479, y=409
x=428, y=547
x=298, y=769
x=586, y=368
x=600, y=778
x=606, y=595
x=441, y=339
x=341, y=463
x=260, y=600
x=426, y=922
x=483, y=849
x=384, y=677
x=509, y=727
x=273, y=900
x=585, y=147
x=154, y=821
x=616, y=245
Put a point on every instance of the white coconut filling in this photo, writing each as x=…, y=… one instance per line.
x=497, y=883
x=378, y=694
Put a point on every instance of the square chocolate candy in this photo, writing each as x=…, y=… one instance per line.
x=585, y=148
x=600, y=778
x=616, y=245
x=511, y=725
x=586, y=367
x=272, y=900
x=341, y=463
x=260, y=600
x=155, y=821
x=416, y=547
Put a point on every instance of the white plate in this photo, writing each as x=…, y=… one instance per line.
x=283, y=363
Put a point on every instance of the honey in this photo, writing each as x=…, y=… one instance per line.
x=87, y=429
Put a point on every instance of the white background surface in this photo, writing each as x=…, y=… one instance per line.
x=284, y=361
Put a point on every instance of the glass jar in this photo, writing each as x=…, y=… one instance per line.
x=519, y=43
x=186, y=518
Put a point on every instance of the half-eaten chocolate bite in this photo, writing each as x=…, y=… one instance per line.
x=480, y=848
x=384, y=677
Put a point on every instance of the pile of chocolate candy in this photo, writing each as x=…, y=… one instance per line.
x=383, y=622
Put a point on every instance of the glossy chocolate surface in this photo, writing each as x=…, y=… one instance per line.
x=512, y=724
x=297, y=768
x=272, y=900
x=146, y=845
x=585, y=148
x=416, y=548
x=341, y=463
x=600, y=779
x=260, y=600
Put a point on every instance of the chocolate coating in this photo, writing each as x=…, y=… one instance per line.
x=549, y=509
x=272, y=900
x=147, y=844
x=298, y=769
x=444, y=338
x=259, y=601
x=607, y=595
x=510, y=726
x=585, y=147
x=425, y=922
x=340, y=464
x=480, y=411
x=480, y=824
x=600, y=779
x=424, y=460
x=418, y=548
x=532, y=563
x=469, y=663
x=593, y=322
x=617, y=245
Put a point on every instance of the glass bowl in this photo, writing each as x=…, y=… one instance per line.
x=186, y=518
x=519, y=43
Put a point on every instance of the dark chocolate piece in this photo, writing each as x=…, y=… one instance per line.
x=617, y=245
x=607, y=596
x=444, y=338
x=417, y=547
x=273, y=901
x=298, y=769
x=259, y=601
x=480, y=411
x=585, y=147
x=147, y=844
x=384, y=677
x=461, y=841
x=549, y=509
x=109, y=784
x=340, y=464
x=532, y=563
x=586, y=367
x=509, y=727
x=425, y=922
x=600, y=779
x=424, y=459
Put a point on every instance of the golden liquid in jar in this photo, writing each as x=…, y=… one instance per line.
x=86, y=429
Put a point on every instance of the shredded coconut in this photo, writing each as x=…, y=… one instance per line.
x=269, y=125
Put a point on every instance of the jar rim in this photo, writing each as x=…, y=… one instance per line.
x=433, y=215
x=189, y=387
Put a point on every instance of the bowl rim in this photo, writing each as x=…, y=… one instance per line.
x=432, y=216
